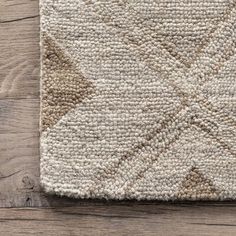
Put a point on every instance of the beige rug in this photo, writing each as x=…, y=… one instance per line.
x=138, y=99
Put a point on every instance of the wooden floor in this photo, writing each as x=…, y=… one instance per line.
x=25, y=209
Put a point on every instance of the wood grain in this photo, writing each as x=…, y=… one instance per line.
x=131, y=219
x=16, y=10
x=19, y=104
x=19, y=160
x=19, y=47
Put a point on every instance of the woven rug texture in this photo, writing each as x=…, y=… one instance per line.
x=138, y=99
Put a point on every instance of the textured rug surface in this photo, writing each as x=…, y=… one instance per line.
x=138, y=99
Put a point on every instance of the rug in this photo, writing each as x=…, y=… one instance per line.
x=138, y=99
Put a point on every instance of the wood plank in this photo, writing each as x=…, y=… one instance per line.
x=19, y=153
x=19, y=46
x=19, y=104
x=19, y=170
x=19, y=116
x=166, y=220
x=17, y=9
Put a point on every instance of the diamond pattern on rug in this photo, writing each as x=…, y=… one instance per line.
x=138, y=99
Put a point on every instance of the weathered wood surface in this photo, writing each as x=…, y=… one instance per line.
x=113, y=219
x=19, y=103
x=19, y=49
x=19, y=159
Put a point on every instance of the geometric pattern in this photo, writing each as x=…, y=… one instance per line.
x=196, y=186
x=63, y=86
x=138, y=99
